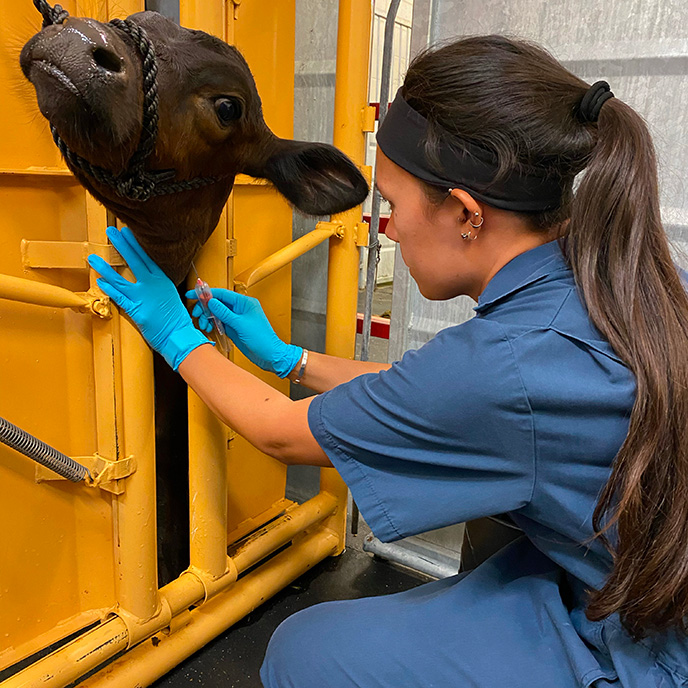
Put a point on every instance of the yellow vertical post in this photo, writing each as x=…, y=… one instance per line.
x=207, y=434
x=133, y=424
x=135, y=521
x=350, y=101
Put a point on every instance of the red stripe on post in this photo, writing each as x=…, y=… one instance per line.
x=384, y=219
x=379, y=327
x=377, y=110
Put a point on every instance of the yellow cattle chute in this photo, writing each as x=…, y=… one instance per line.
x=82, y=559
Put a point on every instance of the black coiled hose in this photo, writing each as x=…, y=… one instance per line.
x=41, y=452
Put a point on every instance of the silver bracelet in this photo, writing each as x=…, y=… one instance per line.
x=302, y=367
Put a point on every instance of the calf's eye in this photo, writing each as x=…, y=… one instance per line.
x=228, y=109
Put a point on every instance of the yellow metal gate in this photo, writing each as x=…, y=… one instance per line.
x=81, y=559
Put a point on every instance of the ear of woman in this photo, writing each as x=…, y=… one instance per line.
x=472, y=214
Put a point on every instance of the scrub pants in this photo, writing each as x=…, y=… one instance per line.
x=503, y=625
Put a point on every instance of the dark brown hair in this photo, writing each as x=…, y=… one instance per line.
x=516, y=100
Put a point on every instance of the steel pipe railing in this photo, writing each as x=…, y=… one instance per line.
x=95, y=647
x=40, y=294
x=146, y=663
x=350, y=104
x=373, y=241
x=286, y=255
x=281, y=531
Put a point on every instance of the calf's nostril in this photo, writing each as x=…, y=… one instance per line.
x=107, y=60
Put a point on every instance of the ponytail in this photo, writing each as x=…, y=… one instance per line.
x=622, y=264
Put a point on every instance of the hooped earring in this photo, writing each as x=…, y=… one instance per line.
x=469, y=235
x=480, y=224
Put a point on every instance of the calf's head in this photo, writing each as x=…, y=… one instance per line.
x=89, y=81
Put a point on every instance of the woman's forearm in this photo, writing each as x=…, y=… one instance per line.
x=267, y=418
x=324, y=372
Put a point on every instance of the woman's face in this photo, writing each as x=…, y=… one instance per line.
x=429, y=236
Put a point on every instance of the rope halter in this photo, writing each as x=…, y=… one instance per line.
x=135, y=182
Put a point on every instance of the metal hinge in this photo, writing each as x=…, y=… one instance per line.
x=368, y=118
x=107, y=475
x=362, y=230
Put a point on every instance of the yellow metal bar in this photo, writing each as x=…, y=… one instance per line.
x=188, y=589
x=351, y=85
x=106, y=356
x=70, y=626
x=67, y=664
x=134, y=511
x=286, y=255
x=40, y=171
x=40, y=294
x=70, y=255
x=136, y=543
x=88, y=651
x=207, y=489
x=279, y=532
x=146, y=663
x=350, y=106
x=207, y=434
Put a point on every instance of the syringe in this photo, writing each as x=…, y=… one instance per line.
x=204, y=294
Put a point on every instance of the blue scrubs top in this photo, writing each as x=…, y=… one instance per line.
x=521, y=409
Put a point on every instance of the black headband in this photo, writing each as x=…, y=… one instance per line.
x=402, y=137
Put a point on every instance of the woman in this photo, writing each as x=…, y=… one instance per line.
x=564, y=401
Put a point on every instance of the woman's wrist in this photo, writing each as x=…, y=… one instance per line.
x=297, y=372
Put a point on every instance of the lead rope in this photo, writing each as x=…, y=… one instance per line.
x=51, y=15
x=135, y=183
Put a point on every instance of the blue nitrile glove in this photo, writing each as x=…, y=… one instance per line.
x=152, y=302
x=247, y=326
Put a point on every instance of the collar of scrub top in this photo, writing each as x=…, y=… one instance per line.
x=519, y=272
x=402, y=136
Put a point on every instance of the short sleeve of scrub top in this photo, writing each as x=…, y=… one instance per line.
x=443, y=436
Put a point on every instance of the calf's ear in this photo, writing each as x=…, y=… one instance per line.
x=315, y=177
